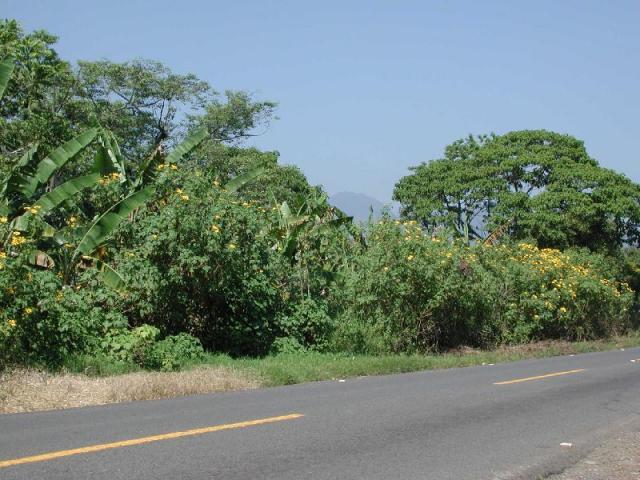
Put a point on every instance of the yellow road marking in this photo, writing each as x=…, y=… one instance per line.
x=538, y=377
x=142, y=440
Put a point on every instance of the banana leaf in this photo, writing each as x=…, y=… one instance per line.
x=109, y=276
x=187, y=145
x=60, y=194
x=62, y=155
x=240, y=181
x=6, y=69
x=39, y=258
x=109, y=156
x=105, y=224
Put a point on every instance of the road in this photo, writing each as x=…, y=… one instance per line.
x=488, y=422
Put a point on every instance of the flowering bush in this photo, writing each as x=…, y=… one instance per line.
x=203, y=263
x=41, y=321
x=409, y=291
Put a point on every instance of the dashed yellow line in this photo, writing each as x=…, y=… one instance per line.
x=142, y=440
x=539, y=377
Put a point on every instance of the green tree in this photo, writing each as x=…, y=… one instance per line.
x=42, y=85
x=542, y=184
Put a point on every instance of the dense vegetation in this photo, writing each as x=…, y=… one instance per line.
x=136, y=227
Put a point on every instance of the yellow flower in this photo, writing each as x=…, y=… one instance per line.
x=563, y=310
x=33, y=210
x=184, y=197
x=178, y=190
x=215, y=228
x=4, y=219
x=231, y=246
x=386, y=269
x=12, y=323
x=160, y=167
x=216, y=183
x=410, y=257
x=3, y=255
x=72, y=221
x=28, y=311
x=17, y=239
x=174, y=167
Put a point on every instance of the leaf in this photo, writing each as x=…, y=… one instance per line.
x=23, y=183
x=109, y=276
x=104, y=226
x=6, y=69
x=63, y=154
x=187, y=145
x=102, y=162
x=147, y=170
x=241, y=180
x=27, y=157
x=19, y=182
x=27, y=222
x=60, y=194
x=109, y=158
x=40, y=259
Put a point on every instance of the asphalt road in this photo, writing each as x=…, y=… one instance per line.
x=448, y=424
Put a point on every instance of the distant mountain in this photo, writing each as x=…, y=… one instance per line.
x=357, y=205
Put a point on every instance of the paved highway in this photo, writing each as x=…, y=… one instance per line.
x=490, y=422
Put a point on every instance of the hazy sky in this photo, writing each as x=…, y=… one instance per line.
x=369, y=88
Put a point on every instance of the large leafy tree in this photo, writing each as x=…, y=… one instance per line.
x=533, y=183
x=43, y=84
x=144, y=103
x=457, y=191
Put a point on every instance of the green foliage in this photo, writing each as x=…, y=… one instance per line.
x=412, y=292
x=542, y=184
x=39, y=89
x=202, y=263
x=174, y=351
x=6, y=69
x=42, y=321
x=207, y=244
x=141, y=346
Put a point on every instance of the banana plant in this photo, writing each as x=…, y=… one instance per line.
x=6, y=69
x=85, y=244
x=23, y=198
x=27, y=196
x=313, y=214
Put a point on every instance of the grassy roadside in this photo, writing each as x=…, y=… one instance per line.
x=95, y=381
x=308, y=367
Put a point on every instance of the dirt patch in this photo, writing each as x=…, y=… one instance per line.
x=617, y=459
x=32, y=390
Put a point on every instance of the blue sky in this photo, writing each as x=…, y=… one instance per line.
x=368, y=88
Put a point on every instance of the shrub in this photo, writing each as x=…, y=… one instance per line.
x=41, y=321
x=141, y=346
x=202, y=263
x=172, y=352
x=410, y=292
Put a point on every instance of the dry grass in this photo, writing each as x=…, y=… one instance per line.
x=26, y=390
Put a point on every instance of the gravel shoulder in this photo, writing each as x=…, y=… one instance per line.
x=618, y=458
